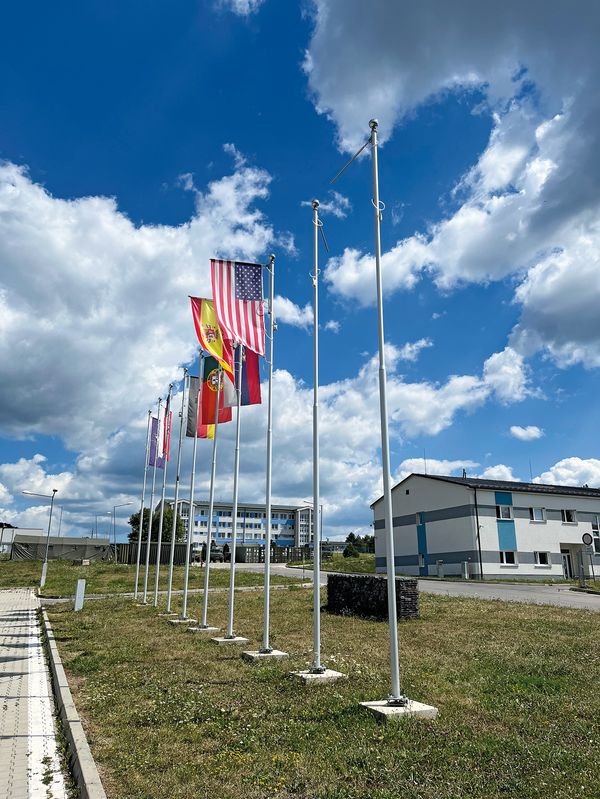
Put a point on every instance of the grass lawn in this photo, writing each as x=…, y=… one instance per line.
x=364, y=564
x=102, y=577
x=171, y=716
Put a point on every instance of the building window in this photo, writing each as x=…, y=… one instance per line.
x=596, y=534
x=503, y=512
x=421, y=561
x=568, y=516
x=419, y=518
x=542, y=559
x=508, y=558
x=537, y=514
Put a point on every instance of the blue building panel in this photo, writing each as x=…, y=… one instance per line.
x=422, y=546
x=507, y=536
x=504, y=498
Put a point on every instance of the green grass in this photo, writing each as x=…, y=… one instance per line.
x=169, y=715
x=364, y=564
x=108, y=578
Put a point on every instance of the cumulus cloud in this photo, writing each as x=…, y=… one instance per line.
x=572, y=472
x=291, y=314
x=529, y=207
x=505, y=372
x=499, y=472
x=333, y=325
x=529, y=433
x=412, y=349
x=243, y=8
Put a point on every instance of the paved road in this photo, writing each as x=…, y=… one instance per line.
x=508, y=592
x=30, y=766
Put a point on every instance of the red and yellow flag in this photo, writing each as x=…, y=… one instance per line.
x=209, y=333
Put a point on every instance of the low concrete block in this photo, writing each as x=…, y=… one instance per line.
x=201, y=629
x=225, y=641
x=316, y=678
x=256, y=656
x=386, y=712
x=187, y=620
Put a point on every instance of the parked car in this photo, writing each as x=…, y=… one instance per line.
x=216, y=553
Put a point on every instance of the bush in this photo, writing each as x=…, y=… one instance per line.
x=351, y=551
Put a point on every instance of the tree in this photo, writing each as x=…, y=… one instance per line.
x=134, y=523
x=351, y=551
x=351, y=538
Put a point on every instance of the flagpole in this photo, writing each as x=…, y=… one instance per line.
x=317, y=668
x=266, y=645
x=211, y=504
x=162, y=496
x=177, y=473
x=188, y=548
x=145, y=599
x=230, y=636
x=396, y=697
x=139, y=546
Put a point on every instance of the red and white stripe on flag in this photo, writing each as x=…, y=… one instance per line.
x=240, y=319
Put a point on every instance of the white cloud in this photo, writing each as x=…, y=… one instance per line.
x=243, y=8
x=338, y=205
x=529, y=433
x=529, y=207
x=572, y=472
x=499, y=472
x=506, y=374
x=411, y=350
x=333, y=325
x=289, y=313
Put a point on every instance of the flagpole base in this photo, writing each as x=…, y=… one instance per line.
x=225, y=640
x=187, y=620
x=201, y=629
x=257, y=655
x=167, y=613
x=387, y=710
x=318, y=677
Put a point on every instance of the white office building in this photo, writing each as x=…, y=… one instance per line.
x=291, y=525
x=500, y=529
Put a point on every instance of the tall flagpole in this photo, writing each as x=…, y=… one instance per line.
x=266, y=645
x=139, y=542
x=230, y=635
x=211, y=505
x=177, y=473
x=145, y=599
x=317, y=668
x=188, y=547
x=396, y=697
x=162, y=502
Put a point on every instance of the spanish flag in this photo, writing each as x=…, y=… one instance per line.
x=209, y=334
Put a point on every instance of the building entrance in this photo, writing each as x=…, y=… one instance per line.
x=567, y=564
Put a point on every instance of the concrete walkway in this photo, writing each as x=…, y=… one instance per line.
x=30, y=766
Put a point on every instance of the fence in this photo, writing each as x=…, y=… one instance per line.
x=256, y=554
x=127, y=553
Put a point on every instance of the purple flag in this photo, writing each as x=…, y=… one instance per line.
x=160, y=462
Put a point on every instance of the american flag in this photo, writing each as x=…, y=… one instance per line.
x=238, y=297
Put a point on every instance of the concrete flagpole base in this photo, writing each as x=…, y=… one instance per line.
x=390, y=712
x=318, y=677
x=201, y=629
x=255, y=656
x=234, y=639
x=169, y=613
x=187, y=620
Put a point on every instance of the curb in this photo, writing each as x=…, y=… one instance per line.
x=81, y=762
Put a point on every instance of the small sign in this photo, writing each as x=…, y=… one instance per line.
x=79, y=594
x=587, y=539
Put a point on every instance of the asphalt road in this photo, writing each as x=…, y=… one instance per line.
x=559, y=595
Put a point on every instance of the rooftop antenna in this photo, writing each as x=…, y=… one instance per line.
x=425, y=460
x=464, y=474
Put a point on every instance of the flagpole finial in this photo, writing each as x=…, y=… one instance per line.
x=373, y=123
x=271, y=257
x=315, y=204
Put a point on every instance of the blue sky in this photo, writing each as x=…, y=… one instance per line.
x=139, y=139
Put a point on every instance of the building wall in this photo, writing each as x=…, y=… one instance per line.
x=444, y=531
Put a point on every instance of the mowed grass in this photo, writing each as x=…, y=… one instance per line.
x=110, y=578
x=170, y=716
x=364, y=564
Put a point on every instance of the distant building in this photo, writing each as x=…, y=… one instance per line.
x=7, y=535
x=499, y=528
x=291, y=525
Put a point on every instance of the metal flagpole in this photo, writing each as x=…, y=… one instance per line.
x=162, y=503
x=190, y=533
x=177, y=472
x=236, y=471
x=266, y=645
x=396, y=697
x=317, y=668
x=147, y=569
x=139, y=546
x=211, y=505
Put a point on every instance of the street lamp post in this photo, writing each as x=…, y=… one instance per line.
x=45, y=563
x=114, y=519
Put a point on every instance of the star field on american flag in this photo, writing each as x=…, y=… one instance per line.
x=248, y=281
